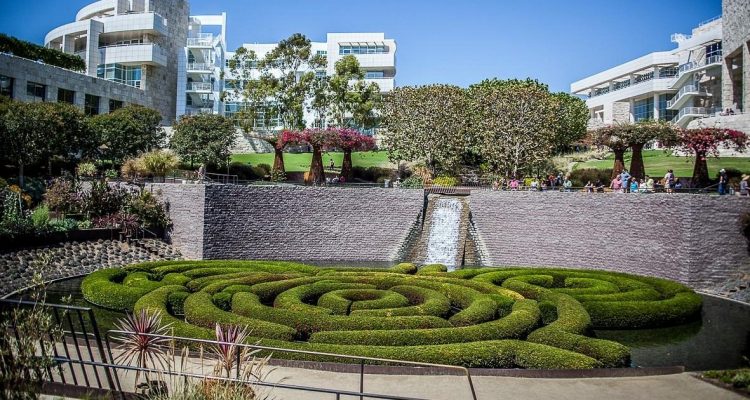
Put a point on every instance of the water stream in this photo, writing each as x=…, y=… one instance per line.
x=444, y=236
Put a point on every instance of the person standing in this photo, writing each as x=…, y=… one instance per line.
x=201, y=173
x=633, y=185
x=625, y=180
x=669, y=181
x=723, y=181
x=649, y=184
x=616, y=185
x=332, y=164
x=744, y=190
x=568, y=184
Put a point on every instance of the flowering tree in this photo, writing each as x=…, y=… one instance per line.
x=612, y=137
x=705, y=142
x=350, y=140
x=639, y=134
x=320, y=140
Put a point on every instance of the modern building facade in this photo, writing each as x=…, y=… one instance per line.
x=200, y=70
x=375, y=53
x=134, y=43
x=704, y=81
x=677, y=85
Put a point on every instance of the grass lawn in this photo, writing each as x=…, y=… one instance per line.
x=300, y=162
x=657, y=163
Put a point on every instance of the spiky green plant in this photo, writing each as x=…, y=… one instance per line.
x=145, y=343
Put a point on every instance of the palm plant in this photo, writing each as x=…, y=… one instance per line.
x=144, y=341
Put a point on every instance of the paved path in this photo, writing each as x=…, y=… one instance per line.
x=664, y=387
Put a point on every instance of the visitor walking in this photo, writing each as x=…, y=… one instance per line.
x=625, y=179
x=723, y=181
x=649, y=184
x=744, y=190
x=633, y=185
x=669, y=181
x=568, y=184
x=616, y=185
x=332, y=164
x=201, y=173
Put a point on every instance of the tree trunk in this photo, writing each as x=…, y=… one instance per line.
x=317, y=174
x=700, y=171
x=637, y=169
x=20, y=175
x=346, y=166
x=619, y=162
x=278, y=163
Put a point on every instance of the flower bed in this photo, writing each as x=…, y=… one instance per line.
x=489, y=317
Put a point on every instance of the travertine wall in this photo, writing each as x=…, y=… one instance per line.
x=736, y=44
x=694, y=239
x=291, y=223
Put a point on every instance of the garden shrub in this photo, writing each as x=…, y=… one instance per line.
x=445, y=181
x=413, y=182
x=579, y=177
x=486, y=317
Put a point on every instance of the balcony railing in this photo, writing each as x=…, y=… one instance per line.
x=200, y=86
x=198, y=110
x=200, y=67
x=696, y=112
x=692, y=65
x=202, y=39
x=625, y=84
x=685, y=90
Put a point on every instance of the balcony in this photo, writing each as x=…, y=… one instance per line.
x=141, y=22
x=685, y=94
x=201, y=40
x=687, y=114
x=134, y=54
x=198, y=110
x=200, y=68
x=206, y=87
x=685, y=71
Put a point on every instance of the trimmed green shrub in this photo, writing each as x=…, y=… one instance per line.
x=485, y=317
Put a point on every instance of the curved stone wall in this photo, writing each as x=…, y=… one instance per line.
x=694, y=239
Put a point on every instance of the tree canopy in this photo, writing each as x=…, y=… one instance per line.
x=128, y=131
x=205, y=139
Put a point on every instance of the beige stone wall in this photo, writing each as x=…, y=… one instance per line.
x=736, y=45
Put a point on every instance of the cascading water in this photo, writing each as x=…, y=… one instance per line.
x=445, y=232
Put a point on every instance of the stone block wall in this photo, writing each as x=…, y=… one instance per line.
x=186, y=205
x=291, y=223
x=692, y=239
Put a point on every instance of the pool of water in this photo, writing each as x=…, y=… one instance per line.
x=719, y=339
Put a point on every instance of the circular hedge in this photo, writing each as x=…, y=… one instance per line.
x=488, y=317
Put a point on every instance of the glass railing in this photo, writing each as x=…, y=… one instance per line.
x=200, y=67
x=695, y=112
x=685, y=90
x=200, y=86
x=692, y=65
x=201, y=39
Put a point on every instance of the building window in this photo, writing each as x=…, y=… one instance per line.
x=115, y=105
x=35, y=92
x=232, y=109
x=643, y=109
x=320, y=74
x=125, y=74
x=323, y=53
x=668, y=72
x=712, y=50
x=374, y=74
x=66, y=96
x=91, y=105
x=362, y=49
x=6, y=86
x=664, y=113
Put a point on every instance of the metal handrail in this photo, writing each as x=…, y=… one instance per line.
x=361, y=359
x=692, y=88
x=279, y=385
x=193, y=66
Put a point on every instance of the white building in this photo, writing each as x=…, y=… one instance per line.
x=129, y=42
x=201, y=65
x=679, y=85
x=375, y=53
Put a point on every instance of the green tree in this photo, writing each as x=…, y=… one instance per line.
x=352, y=100
x=204, y=139
x=24, y=130
x=572, y=119
x=426, y=123
x=514, y=123
x=69, y=136
x=128, y=132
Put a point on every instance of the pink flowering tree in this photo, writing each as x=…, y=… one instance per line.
x=705, y=142
x=319, y=140
x=279, y=143
x=350, y=140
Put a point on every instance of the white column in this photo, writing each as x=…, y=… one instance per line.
x=656, y=106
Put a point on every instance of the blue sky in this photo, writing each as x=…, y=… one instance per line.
x=443, y=41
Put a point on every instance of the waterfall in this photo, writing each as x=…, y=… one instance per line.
x=444, y=232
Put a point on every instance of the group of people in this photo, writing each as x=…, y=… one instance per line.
x=626, y=183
